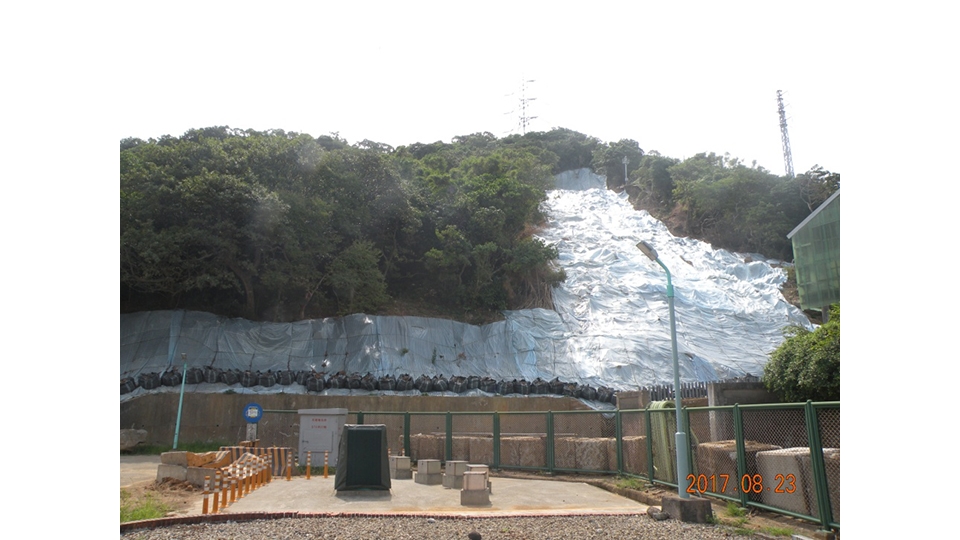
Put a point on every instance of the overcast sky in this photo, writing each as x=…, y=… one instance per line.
x=677, y=79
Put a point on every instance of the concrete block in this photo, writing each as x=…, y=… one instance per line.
x=523, y=452
x=451, y=481
x=461, y=448
x=635, y=455
x=591, y=454
x=426, y=447
x=692, y=510
x=429, y=479
x=455, y=468
x=428, y=466
x=474, y=498
x=196, y=475
x=611, y=444
x=775, y=466
x=399, y=463
x=175, y=472
x=476, y=467
x=565, y=453
x=401, y=474
x=474, y=481
x=720, y=458
x=174, y=458
x=481, y=450
x=831, y=465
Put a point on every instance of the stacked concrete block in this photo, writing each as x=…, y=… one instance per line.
x=565, y=453
x=453, y=474
x=591, y=454
x=428, y=472
x=831, y=466
x=611, y=445
x=400, y=468
x=476, y=486
x=775, y=467
x=523, y=452
x=635, y=455
x=481, y=450
x=720, y=458
x=461, y=449
x=424, y=446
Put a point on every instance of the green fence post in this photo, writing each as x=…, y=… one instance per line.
x=406, y=434
x=550, y=460
x=449, y=443
x=741, y=454
x=646, y=415
x=496, y=440
x=619, y=442
x=360, y=417
x=686, y=422
x=816, y=462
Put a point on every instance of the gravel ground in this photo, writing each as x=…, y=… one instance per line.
x=420, y=528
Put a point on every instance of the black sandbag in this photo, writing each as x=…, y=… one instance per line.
x=267, y=379
x=229, y=377
x=440, y=384
x=249, y=379
x=540, y=387
x=171, y=378
x=149, y=381
x=369, y=383
x=388, y=383
x=506, y=387
x=314, y=382
x=556, y=387
x=588, y=392
x=194, y=375
x=353, y=382
x=211, y=375
x=473, y=382
x=522, y=387
x=488, y=385
x=286, y=377
x=127, y=385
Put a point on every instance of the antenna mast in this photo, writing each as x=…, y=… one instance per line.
x=524, y=119
x=787, y=155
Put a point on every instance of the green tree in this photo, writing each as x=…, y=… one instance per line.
x=807, y=365
x=357, y=280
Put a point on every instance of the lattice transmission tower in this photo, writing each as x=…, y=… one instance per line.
x=524, y=100
x=787, y=155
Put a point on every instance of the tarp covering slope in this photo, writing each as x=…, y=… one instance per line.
x=610, y=326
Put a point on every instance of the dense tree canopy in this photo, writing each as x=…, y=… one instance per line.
x=280, y=226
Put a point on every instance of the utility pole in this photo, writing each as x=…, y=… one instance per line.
x=787, y=155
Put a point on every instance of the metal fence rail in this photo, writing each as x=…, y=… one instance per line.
x=782, y=458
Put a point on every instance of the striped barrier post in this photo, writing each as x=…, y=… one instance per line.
x=206, y=494
x=269, y=469
x=289, y=466
x=224, y=488
x=308, y=464
x=247, y=479
x=233, y=490
x=326, y=460
x=216, y=491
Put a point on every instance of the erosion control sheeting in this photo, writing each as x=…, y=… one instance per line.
x=610, y=326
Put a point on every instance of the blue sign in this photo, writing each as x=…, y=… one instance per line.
x=252, y=413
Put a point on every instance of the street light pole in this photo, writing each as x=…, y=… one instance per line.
x=681, y=436
x=183, y=382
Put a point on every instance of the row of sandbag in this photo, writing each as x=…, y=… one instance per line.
x=320, y=381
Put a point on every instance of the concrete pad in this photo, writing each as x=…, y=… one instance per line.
x=474, y=498
x=514, y=497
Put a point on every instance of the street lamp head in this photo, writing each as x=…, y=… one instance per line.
x=647, y=250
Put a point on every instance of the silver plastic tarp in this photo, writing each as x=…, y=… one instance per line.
x=610, y=326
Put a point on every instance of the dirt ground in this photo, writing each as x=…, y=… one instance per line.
x=138, y=477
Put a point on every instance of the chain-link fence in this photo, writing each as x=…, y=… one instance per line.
x=783, y=458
